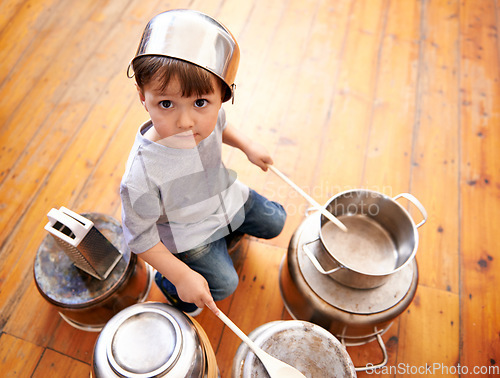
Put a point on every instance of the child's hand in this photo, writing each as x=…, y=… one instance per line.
x=258, y=155
x=255, y=152
x=193, y=288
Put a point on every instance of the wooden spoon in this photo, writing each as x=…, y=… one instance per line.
x=275, y=367
x=316, y=205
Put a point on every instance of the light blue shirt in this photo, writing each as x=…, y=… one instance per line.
x=182, y=197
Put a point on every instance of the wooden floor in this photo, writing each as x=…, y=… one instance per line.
x=390, y=95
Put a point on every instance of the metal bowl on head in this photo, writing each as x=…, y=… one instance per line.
x=196, y=38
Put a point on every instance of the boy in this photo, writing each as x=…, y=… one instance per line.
x=179, y=203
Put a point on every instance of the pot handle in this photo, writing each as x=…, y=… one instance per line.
x=417, y=204
x=369, y=367
x=315, y=261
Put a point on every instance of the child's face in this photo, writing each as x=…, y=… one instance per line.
x=180, y=122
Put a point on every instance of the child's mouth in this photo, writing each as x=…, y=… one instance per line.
x=189, y=134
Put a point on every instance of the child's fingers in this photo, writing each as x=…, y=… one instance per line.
x=265, y=162
x=269, y=160
x=213, y=307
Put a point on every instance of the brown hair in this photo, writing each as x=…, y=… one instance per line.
x=194, y=80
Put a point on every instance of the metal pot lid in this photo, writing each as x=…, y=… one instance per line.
x=357, y=301
x=306, y=346
x=62, y=283
x=146, y=343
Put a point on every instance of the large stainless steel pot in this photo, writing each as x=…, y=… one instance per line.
x=83, y=301
x=382, y=237
x=354, y=316
x=304, y=345
x=152, y=340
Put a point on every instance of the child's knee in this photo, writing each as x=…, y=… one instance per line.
x=276, y=222
x=226, y=286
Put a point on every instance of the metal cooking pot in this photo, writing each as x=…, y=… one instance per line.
x=382, y=237
x=354, y=316
x=151, y=340
x=306, y=346
x=83, y=301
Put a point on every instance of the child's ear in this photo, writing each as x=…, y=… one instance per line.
x=141, y=96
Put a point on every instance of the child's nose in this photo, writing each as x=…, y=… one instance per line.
x=185, y=120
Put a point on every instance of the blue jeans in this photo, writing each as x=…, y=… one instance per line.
x=263, y=219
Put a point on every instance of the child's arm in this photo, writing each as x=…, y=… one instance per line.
x=255, y=152
x=191, y=286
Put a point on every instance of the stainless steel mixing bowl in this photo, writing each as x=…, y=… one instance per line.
x=196, y=38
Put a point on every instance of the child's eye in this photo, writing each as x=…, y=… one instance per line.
x=200, y=103
x=166, y=104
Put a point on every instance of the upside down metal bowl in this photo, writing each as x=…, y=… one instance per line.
x=196, y=38
x=150, y=340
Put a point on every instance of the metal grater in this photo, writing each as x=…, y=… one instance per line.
x=82, y=242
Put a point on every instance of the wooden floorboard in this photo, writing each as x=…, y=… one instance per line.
x=479, y=133
x=387, y=95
